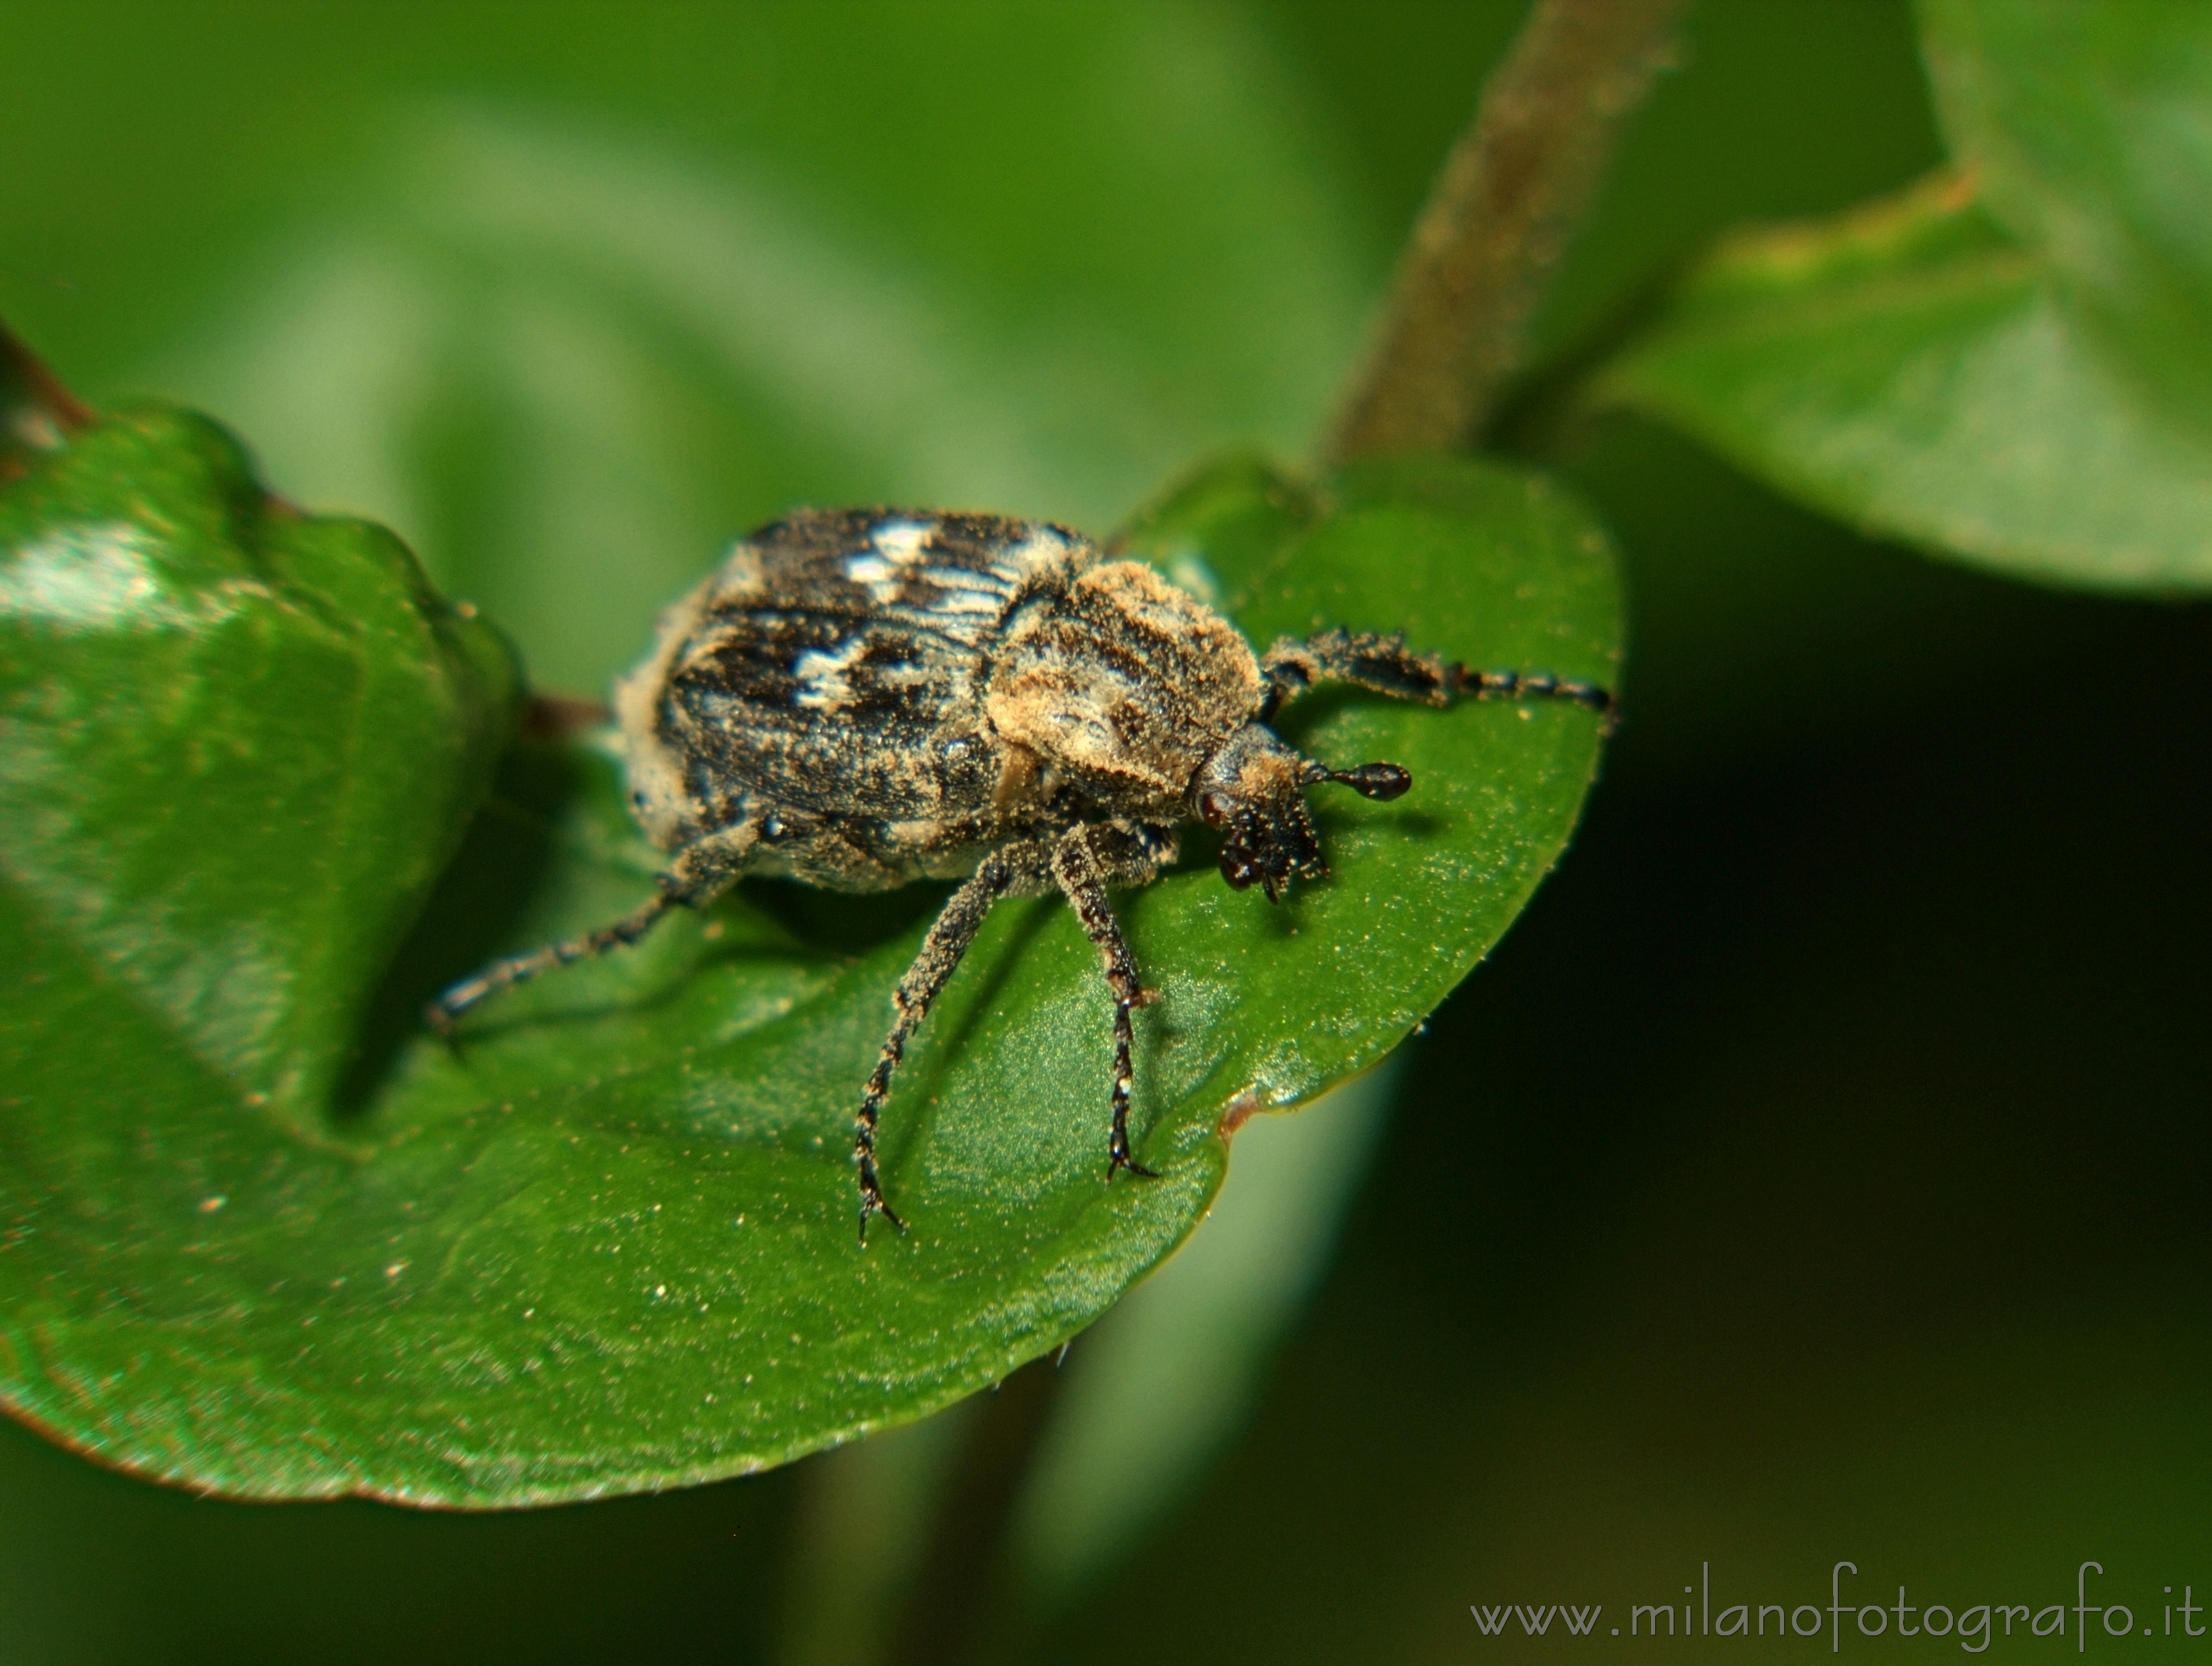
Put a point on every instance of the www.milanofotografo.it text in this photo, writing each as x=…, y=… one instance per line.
x=1854, y=1615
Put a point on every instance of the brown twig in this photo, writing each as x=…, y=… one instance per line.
x=957, y=1602
x=37, y=413
x=1456, y=327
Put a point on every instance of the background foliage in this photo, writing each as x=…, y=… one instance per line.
x=1827, y=1134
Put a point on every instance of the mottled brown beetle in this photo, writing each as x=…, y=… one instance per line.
x=860, y=698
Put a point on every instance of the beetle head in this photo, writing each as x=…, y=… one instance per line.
x=1253, y=790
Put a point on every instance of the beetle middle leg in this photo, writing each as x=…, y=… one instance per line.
x=1014, y=869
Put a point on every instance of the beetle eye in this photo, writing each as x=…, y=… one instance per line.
x=1213, y=808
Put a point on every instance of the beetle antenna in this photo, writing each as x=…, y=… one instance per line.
x=1370, y=780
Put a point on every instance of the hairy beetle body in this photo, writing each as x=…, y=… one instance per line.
x=881, y=698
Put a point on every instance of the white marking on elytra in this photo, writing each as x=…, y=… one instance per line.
x=902, y=540
x=1042, y=548
x=991, y=581
x=968, y=601
x=821, y=673
x=878, y=574
x=897, y=549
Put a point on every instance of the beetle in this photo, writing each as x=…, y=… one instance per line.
x=860, y=698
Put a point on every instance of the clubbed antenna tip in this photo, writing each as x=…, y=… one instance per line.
x=1370, y=780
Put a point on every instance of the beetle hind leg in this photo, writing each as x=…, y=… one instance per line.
x=445, y=1010
x=700, y=872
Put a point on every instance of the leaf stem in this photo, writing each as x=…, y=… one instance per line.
x=1455, y=328
x=37, y=412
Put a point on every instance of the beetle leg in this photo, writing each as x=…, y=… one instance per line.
x=1366, y=660
x=700, y=872
x=1022, y=866
x=1386, y=666
x=1530, y=685
x=1083, y=876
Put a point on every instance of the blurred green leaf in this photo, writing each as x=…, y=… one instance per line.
x=2089, y=130
x=562, y=357
x=608, y=1246
x=2008, y=363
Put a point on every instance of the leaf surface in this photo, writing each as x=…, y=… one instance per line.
x=607, y=1245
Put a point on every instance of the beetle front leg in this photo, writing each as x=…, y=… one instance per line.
x=1077, y=864
x=1385, y=664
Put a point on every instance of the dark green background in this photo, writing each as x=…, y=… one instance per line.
x=1824, y=1153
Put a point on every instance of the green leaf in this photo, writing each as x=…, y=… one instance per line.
x=2007, y=364
x=608, y=1245
x=239, y=747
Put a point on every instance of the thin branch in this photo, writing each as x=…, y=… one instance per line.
x=1455, y=328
